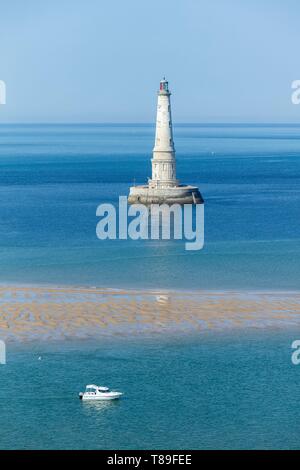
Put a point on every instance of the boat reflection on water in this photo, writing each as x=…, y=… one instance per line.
x=98, y=409
x=100, y=405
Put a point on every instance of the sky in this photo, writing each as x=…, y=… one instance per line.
x=101, y=61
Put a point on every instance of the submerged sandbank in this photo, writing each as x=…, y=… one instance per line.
x=54, y=313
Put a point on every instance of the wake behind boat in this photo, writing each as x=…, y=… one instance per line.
x=93, y=392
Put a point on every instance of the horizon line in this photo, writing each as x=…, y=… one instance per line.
x=130, y=123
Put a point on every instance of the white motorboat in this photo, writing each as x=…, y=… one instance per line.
x=93, y=392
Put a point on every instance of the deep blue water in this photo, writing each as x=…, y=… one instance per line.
x=219, y=391
x=52, y=178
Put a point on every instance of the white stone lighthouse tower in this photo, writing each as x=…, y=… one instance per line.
x=163, y=187
x=163, y=161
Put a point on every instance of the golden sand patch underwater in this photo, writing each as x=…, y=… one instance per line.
x=51, y=313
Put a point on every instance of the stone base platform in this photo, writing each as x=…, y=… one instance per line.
x=182, y=194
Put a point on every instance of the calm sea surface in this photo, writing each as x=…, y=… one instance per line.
x=52, y=179
x=214, y=390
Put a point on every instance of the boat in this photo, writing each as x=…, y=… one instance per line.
x=93, y=392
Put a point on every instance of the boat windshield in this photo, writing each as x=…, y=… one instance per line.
x=90, y=390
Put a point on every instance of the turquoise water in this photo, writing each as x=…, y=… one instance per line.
x=52, y=179
x=213, y=391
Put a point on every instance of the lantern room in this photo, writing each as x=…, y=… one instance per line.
x=164, y=86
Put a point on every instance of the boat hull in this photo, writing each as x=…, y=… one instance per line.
x=103, y=397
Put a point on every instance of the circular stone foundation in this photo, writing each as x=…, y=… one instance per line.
x=175, y=195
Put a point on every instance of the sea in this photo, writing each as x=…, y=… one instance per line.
x=216, y=389
x=53, y=177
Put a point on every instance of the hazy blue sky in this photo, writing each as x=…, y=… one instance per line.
x=101, y=61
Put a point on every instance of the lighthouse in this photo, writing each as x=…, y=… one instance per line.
x=163, y=187
x=163, y=161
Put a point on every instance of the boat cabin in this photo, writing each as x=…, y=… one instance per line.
x=94, y=389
